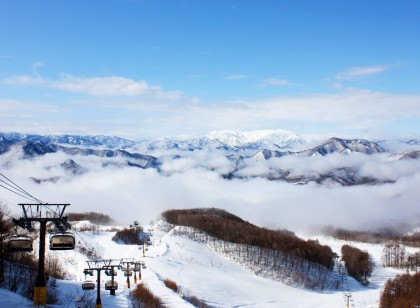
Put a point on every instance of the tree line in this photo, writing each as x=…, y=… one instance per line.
x=230, y=228
x=402, y=291
x=128, y=236
x=358, y=263
x=93, y=217
x=374, y=237
x=269, y=263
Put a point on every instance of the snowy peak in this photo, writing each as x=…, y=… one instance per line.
x=346, y=146
x=229, y=140
x=279, y=137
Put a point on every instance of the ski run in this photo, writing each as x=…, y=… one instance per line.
x=201, y=272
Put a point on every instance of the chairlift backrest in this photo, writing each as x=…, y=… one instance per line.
x=111, y=285
x=62, y=241
x=19, y=243
x=88, y=285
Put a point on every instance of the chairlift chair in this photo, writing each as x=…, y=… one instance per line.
x=88, y=285
x=111, y=285
x=111, y=273
x=128, y=273
x=62, y=241
x=19, y=243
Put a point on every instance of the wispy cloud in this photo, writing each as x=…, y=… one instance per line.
x=24, y=80
x=278, y=82
x=235, y=77
x=349, y=112
x=362, y=71
x=95, y=86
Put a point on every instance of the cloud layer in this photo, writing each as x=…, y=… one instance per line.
x=128, y=193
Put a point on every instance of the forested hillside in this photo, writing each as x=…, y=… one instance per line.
x=228, y=227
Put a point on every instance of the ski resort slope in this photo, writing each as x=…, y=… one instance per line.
x=221, y=282
x=199, y=271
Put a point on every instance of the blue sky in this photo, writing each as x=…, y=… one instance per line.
x=143, y=69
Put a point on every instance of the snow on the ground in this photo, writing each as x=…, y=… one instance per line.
x=10, y=299
x=200, y=272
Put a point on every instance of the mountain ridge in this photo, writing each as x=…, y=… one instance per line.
x=241, y=163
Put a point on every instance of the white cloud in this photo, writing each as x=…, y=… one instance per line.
x=278, y=82
x=112, y=86
x=350, y=112
x=97, y=86
x=24, y=80
x=129, y=192
x=235, y=77
x=362, y=71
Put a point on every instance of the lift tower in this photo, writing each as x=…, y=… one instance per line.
x=42, y=213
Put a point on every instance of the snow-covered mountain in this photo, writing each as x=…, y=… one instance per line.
x=229, y=140
x=239, y=155
x=73, y=140
x=346, y=146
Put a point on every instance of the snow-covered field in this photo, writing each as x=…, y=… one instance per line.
x=200, y=272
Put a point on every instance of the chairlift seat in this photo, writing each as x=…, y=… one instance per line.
x=111, y=285
x=88, y=285
x=62, y=241
x=20, y=243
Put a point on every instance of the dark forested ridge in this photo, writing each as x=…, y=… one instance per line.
x=375, y=237
x=228, y=227
x=97, y=218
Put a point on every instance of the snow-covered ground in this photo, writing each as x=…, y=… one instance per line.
x=200, y=272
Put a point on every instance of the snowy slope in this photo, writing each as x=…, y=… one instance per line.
x=201, y=272
x=10, y=299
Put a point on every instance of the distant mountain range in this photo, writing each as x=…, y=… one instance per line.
x=241, y=149
x=73, y=140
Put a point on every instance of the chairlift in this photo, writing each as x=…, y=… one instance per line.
x=136, y=267
x=111, y=285
x=19, y=243
x=62, y=241
x=88, y=285
x=111, y=273
x=128, y=273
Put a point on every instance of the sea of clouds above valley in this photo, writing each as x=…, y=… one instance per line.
x=128, y=193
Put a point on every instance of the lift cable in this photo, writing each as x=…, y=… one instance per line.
x=13, y=187
x=16, y=192
x=18, y=188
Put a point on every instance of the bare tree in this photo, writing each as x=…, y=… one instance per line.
x=5, y=227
